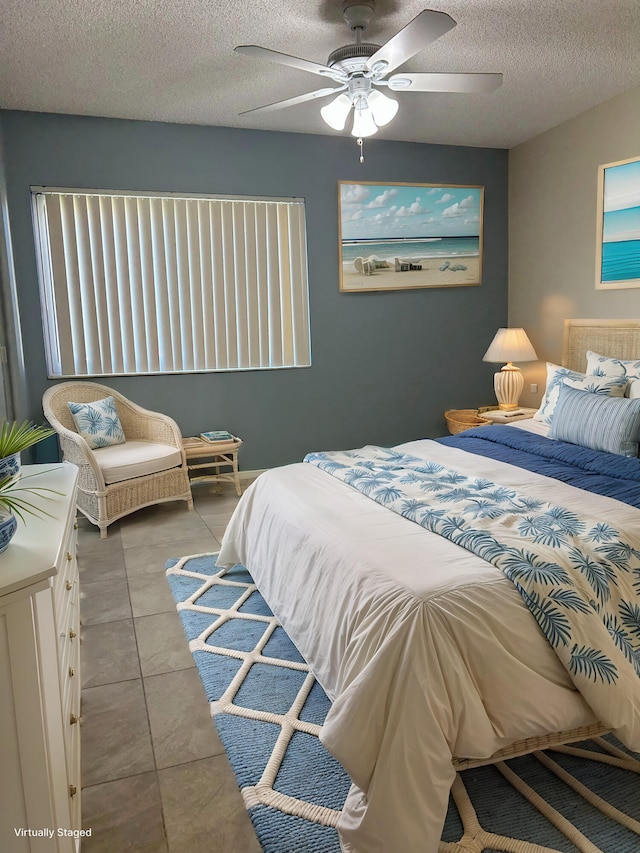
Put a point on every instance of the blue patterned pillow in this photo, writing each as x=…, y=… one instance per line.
x=557, y=376
x=602, y=365
x=612, y=386
x=98, y=423
x=611, y=424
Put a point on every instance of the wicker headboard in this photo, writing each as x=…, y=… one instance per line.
x=618, y=338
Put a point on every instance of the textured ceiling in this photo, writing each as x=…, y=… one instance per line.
x=173, y=61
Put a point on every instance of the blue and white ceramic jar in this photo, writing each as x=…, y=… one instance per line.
x=8, y=525
x=10, y=467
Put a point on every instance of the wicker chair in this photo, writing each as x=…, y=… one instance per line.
x=103, y=494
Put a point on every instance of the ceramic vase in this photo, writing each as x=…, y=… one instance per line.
x=10, y=467
x=8, y=525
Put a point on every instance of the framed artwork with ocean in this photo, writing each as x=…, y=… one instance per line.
x=405, y=236
x=618, y=235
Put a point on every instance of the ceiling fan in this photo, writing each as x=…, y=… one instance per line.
x=361, y=70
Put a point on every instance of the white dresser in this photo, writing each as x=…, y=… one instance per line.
x=40, y=674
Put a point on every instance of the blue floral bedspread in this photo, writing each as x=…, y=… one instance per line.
x=579, y=577
x=601, y=473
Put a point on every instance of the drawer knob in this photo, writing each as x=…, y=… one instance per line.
x=72, y=634
x=73, y=719
x=69, y=556
x=68, y=585
x=72, y=790
x=72, y=672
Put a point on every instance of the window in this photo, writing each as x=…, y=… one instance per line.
x=136, y=283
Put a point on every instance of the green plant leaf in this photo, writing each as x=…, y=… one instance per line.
x=12, y=500
x=15, y=437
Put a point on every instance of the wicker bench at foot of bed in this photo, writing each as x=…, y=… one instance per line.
x=533, y=744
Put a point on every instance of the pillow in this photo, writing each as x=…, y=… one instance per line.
x=633, y=390
x=98, y=423
x=602, y=365
x=557, y=375
x=612, y=386
x=599, y=422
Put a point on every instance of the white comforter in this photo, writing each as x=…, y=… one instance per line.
x=427, y=651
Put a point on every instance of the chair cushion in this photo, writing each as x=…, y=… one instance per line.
x=120, y=462
x=98, y=422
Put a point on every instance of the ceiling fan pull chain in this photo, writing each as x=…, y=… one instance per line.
x=361, y=144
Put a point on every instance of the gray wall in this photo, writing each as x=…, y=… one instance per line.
x=553, y=181
x=385, y=365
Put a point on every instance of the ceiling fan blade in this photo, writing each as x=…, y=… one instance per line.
x=418, y=33
x=293, y=61
x=425, y=82
x=291, y=102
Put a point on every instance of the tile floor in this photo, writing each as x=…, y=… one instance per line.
x=156, y=778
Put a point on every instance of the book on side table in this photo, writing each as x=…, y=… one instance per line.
x=217, y=436
x=499, y=416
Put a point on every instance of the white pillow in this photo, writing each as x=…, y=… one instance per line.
x=603, y=365
x=556, y=376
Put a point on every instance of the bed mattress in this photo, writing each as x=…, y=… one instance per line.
x=426, y=651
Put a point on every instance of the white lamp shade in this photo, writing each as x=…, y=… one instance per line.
x=510, y=345
x=382, y=107
x=363, y=123
x=335, y=113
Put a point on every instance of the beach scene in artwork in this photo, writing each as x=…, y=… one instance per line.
x=397, y=236
x=621, y=223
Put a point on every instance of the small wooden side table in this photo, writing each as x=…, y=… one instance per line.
x=215, y=456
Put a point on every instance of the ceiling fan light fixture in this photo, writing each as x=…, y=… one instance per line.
x=397, y=82
x=335, y=113
x=361, y=68
x=383, y=108
x=363, y=123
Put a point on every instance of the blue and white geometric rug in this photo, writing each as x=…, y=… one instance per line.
x=268, y=710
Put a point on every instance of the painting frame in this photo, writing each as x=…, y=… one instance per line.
x=618, y=225
x=442, y=243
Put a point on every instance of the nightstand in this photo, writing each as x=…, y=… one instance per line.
x=498, y=416
x=216, y=455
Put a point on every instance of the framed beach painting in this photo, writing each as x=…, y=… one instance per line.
x=406, y=236
x=618, y=235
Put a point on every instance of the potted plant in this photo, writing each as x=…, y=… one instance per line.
x=14, y=438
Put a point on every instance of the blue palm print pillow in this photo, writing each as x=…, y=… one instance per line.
x=98, y=423
x=602, y=365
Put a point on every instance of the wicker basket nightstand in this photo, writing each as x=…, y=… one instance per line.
x=460, y=419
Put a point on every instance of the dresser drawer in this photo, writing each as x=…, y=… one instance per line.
x=70, y=681
x=67, y=574
x=68, y=637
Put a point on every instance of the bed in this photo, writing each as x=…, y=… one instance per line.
x=429, y=653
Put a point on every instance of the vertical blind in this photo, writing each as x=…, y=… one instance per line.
x=134, y=283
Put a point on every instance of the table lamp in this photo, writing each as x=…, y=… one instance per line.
x=509, y=345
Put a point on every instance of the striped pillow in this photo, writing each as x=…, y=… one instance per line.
x=611, y=424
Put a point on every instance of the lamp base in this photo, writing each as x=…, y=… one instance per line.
x=508, y=385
